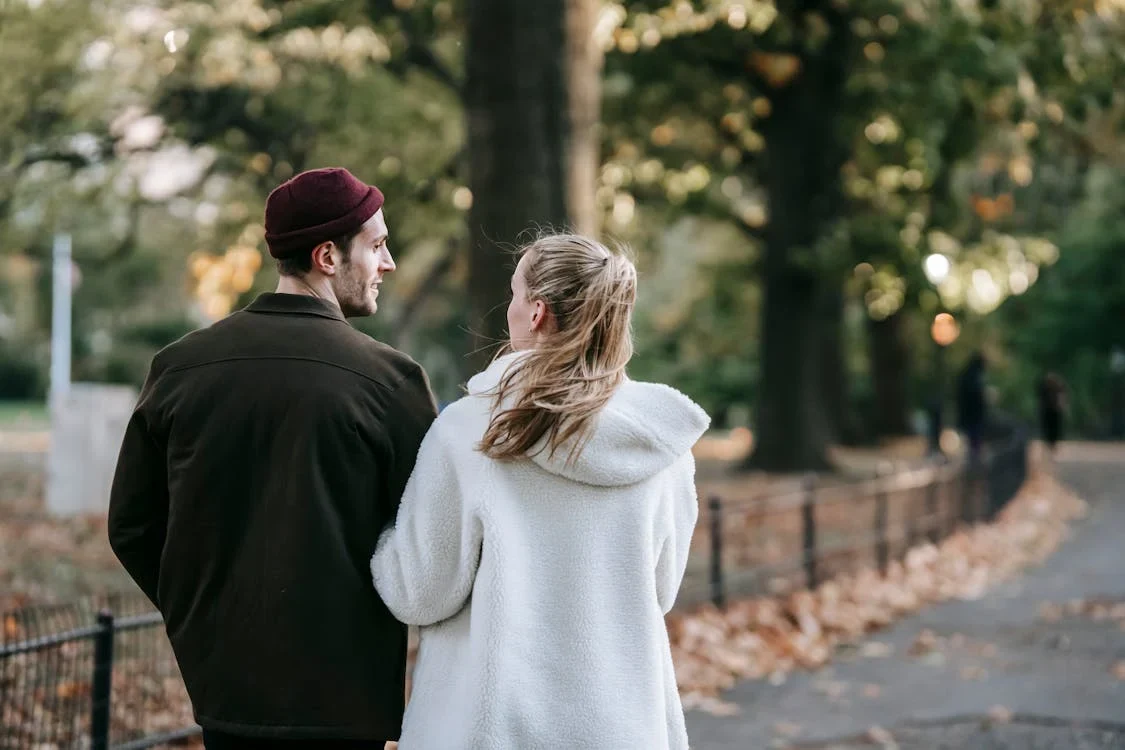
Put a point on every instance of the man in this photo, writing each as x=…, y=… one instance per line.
x=264, y=456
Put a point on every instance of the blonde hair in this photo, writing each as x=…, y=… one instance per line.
x=556, y=390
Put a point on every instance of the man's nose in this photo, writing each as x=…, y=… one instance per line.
x=388, y=262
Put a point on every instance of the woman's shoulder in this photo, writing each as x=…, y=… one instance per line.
x=463, y=420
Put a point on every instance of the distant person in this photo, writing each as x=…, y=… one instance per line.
x=1052, y=409
x=265, y=455
x=972, y=405
x=545, y=531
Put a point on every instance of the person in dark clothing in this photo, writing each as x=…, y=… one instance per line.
x=264, y=456
x=972, y=405
x=1052, y=407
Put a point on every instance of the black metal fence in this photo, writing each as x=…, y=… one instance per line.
x=100, y=674
x=97, y=674
x=760, y=544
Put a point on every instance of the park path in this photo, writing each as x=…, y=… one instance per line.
x=1044, y=674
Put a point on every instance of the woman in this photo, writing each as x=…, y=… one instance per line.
x=545, y=530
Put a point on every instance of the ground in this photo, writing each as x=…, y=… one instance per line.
x=1038, y=663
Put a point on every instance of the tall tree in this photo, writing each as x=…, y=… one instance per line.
x=804, y=153
x=531, y=103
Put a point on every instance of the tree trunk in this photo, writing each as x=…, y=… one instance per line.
x=803, y=156
x=584, y=72
x=890, y=372
x=521, y=140
x=833, y=367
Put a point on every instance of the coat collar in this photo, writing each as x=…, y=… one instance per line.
x=294, y=304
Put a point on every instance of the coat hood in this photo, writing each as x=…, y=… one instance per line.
x=643, y=429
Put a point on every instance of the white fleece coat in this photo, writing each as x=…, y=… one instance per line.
x=541, y=588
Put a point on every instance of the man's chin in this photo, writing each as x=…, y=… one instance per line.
x=359, y=311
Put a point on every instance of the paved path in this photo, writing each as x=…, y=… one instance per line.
x=1047, y=683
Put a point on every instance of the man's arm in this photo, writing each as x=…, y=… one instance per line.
x=138, y=501
x=408, y=417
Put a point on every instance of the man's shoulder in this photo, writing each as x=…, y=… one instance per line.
x=375, y=358
x=182, y=351
x=339, y=345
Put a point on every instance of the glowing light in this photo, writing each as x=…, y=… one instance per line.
x=732, y=187
x=913, y=179
x=1020, y=171
x=462, y=198
x=623, y=209
x=888, y=24
x=944, y=329
x=984, y=293
x=936, y=267
x=175, y=40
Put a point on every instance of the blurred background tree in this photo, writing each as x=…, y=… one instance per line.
x=806, y=183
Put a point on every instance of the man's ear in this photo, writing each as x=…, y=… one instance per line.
x=324, y=259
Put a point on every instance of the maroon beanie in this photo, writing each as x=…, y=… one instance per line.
x=315, y=207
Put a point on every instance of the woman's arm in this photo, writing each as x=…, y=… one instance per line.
x=424, y=565
x=680, y=512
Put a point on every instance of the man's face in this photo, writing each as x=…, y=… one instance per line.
x=357, y=283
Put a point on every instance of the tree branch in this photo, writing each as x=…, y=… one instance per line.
x=418, y=53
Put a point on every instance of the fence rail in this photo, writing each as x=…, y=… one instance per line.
x=109, y=685
x=752, y=545
x=100, y=674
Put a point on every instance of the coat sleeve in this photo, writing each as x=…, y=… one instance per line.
x=679, y=515
x=138, y=501
x=412, y=411
x=424, y=566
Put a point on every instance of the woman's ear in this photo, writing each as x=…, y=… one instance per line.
x=538, y=315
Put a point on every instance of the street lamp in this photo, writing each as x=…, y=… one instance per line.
x=944, y=331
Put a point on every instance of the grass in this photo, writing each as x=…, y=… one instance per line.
x=23, y=415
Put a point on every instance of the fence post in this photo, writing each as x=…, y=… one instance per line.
x=103, y=682
x=882, y=551
x=966, y=492
x=808, y=527
x=932, y=519
x=716, y=514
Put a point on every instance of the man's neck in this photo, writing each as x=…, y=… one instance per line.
x=306, y=287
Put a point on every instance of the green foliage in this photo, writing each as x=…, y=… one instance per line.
x=154, y=133
x=22, y=375
x=1068, y=321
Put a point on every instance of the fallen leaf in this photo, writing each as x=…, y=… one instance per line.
x=882, y=737
x=787, y=729
x=872, y=691
x=768, y=637
x=973, y=673
x=1118, y=670
x=925, y=642
x=1000, y=715
x=876, y=650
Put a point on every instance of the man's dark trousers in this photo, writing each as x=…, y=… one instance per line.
x=221, y=741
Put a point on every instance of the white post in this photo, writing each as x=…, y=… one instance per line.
x=61, y=290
